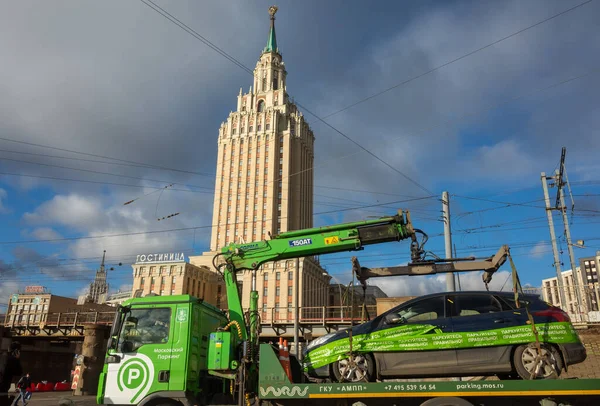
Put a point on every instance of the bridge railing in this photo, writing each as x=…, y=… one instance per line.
x=318, y=314
x=308, y=315
x=66, y=319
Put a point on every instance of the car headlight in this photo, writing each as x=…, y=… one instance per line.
x=318, y=341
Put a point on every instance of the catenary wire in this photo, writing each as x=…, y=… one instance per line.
x=456, y=59
x=196, y=35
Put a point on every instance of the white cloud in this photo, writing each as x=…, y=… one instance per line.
x=540, y=249
x=422, y=285
x=45, y=233
x=122, y=288
x=72, y=210
x=7, y=288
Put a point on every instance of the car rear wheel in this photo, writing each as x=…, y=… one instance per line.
x=356, y=368
x=530, y=364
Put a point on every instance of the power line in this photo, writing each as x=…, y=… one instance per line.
x=103, y=173
x=197, y=227
x=455, y=60
x=99, y=182
x=104, y=157
x=196, y=35
x=94, y=160
x=499, y=202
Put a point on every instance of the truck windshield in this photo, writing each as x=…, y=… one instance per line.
x=144, y=326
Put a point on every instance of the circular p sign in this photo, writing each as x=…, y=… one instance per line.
x=135, y=377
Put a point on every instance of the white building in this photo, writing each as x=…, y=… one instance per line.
x=571, y=287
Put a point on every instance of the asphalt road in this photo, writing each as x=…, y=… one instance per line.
x=60, y=399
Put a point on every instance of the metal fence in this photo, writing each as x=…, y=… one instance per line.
x=318, y=314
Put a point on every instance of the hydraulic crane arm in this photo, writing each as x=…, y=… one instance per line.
x=323, y=240
x=488, y=265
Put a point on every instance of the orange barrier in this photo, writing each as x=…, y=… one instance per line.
x=287, y=366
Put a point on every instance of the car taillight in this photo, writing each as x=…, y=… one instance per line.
x=553, y=312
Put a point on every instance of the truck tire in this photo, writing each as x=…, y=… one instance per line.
x=356, y=368
x=446, y=402
x=524, y=361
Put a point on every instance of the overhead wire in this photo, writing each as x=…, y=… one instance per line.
x=217, y=49
x=196, y=227
x=104, y=157
x=457, y=59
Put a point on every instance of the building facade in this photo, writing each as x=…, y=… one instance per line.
x=551, y=293
x=169, y=274
x=35, y=304
x=264, y=184
x=589, y=272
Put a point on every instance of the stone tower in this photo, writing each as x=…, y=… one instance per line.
x=264, y=181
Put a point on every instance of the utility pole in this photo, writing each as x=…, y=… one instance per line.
x=559, y=279
x=561, y=199
x=458, y=273
x=447, y=238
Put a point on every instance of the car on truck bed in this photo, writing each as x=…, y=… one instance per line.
x=451, y=334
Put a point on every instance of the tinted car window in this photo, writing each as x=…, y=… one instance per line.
x=534, y=302
x=477, y=304
x=427, y=309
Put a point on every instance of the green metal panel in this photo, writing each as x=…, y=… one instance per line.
x=427, y=389
x=220, y=351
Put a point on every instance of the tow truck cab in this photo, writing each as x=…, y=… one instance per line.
x=157, y=349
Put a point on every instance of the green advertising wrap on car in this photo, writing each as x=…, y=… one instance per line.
x=424, y=337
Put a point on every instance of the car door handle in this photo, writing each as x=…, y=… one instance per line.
x=500, y=320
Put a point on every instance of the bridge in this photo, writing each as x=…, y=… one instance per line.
x=275, y=322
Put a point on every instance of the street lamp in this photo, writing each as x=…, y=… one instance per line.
x=341, y=297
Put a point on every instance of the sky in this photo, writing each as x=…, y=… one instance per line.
x=107, y=102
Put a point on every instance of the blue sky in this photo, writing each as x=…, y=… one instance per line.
x=141, y=101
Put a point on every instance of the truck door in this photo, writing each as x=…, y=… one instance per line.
x=142, y=360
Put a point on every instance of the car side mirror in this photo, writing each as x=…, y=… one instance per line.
x=393, y=318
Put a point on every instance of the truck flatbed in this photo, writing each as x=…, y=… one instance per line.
x=276, y=388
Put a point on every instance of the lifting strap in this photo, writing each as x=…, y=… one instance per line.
x=518, y=290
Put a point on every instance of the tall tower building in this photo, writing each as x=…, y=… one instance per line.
x=264, y=183
x=99, y=286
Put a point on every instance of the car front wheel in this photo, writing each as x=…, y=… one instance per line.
x=531, y=364
x=356, y=368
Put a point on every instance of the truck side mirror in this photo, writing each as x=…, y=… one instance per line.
x=112, y=343
x=127, y=346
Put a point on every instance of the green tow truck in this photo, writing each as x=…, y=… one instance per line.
x=178, y=350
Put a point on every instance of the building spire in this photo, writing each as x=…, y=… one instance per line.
x=102, y=264
x=272, y=40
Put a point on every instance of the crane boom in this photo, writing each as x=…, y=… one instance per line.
x=322, y=240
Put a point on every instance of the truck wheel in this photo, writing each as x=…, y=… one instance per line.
x=446, y=402
x=549, y=367
x=356, y=368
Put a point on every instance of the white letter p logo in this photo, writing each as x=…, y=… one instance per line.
x=134, y=373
